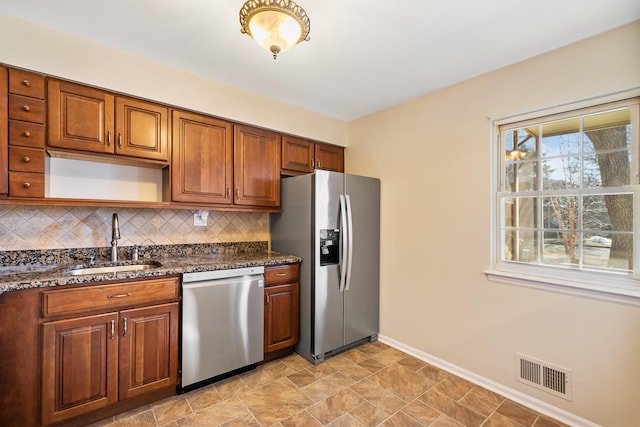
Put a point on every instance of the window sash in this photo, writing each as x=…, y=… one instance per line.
x=597, y=279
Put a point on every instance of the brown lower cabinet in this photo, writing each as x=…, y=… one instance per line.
x=71, y=356
x=281, y=310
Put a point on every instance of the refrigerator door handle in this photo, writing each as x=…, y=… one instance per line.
x=343, y=243
x=349, y=241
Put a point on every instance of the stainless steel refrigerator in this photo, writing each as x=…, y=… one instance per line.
x=332, y=220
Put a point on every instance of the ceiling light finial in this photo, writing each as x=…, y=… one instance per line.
x=276, y=25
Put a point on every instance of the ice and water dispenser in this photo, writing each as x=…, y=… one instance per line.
x=329, y=246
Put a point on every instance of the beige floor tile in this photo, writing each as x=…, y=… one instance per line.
x=275, y=401
x=482, y=400
x=400, y=419
x=142, y=419
x=517, y=412
x=454, y=387
x=322, y=370
x=423, y=413
x=172, y=411
x=200, y=399
x=277, y=369
x=433, y=373
x=301, y=419
x=327, y=386
x=347, y=420
x=371, y=349
x=231, y=387
x=335, y=406
x=302, y=378
x=216, y=415
x=369, y=414
x=389, y=356
x=379, y=397
x=411, y=363
x=404, y=383
x=371, y=365
x=256, y=377
x=452, y=409
x=499, y=420
x=444, y=421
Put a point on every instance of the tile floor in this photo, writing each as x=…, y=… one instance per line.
x=370, y=385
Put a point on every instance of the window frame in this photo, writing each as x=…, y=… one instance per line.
x=610, y=286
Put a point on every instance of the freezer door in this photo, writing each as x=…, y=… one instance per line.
x=328, y=301
x=362, y=296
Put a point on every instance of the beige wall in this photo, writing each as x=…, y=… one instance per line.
x=433, y=157
x=27, y=45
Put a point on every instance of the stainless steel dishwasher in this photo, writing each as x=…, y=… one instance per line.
x=222, y=323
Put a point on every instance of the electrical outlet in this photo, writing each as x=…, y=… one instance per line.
x=200, y=218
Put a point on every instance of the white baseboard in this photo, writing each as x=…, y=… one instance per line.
x=515, y=395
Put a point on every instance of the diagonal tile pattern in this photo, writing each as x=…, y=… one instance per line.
x=370, y=385
x=24, y=227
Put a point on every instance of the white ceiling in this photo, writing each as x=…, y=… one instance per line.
x=364, y=55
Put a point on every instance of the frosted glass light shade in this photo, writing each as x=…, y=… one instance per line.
x=276, y=25
x=275, y=31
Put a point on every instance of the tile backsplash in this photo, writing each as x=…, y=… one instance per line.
x=24, y=227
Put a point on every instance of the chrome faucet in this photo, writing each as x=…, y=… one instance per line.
x=115, y=235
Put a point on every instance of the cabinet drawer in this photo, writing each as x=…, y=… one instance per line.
x=23, y=159
x=26, y=184
x=26, y=83
x=25, y=108
x=26, y=134
x=281, y=274
x=109, y=297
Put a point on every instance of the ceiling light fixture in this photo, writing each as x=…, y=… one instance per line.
x=276, y=25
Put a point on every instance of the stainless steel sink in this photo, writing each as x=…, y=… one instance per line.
x=106, y=269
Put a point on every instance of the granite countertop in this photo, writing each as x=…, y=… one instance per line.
x=28, y=276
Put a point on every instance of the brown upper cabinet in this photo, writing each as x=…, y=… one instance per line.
x=201, y=159
x=256, y=159
x=26, y=124
x=86, y=119
x=303, y=156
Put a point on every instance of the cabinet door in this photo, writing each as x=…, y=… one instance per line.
x=281, y=316
x=141, y=129
x=202, y=159
x=256, y=167
x=79, y=366
x=148, y=349
x=80, y=118
x=330, y=157
x=4, y=133
x=297, y=154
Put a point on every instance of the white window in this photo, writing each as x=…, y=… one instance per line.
x=567, y=200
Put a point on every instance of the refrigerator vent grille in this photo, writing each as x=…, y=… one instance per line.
x=543, y=375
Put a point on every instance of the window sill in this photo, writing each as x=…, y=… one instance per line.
x=626, y=293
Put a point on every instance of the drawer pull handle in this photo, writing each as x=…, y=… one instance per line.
x=237, y=193
x=119, y=296
x=113, y=329
x=124, y=334
x=281, y=274
x=26, y=159
x=26, y=82
x=120, y=140
x=267, y=297
x=26, y=185
x=109, y=138
x=228, y=192
x=27, y=133
x=26, y=108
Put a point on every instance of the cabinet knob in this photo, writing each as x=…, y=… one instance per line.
x=27, y=133
x=26, y=185
x=26, y=108
x=26, y=159
x=26, y=82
